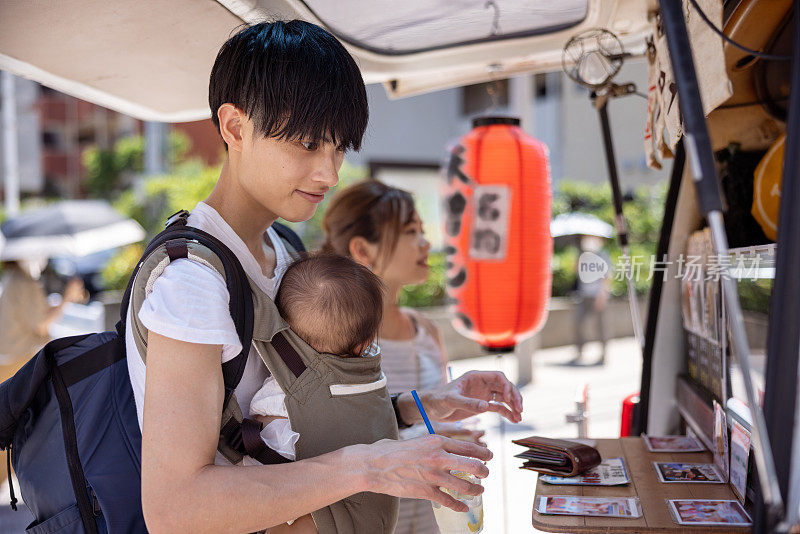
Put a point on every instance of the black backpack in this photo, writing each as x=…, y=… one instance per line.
x=68, y=418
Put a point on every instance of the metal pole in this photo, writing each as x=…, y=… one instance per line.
x=581, y=415
x=701, y=159
x=601, y=102
x=522, y=100
x=654, y=302
x=502, y=459
x=784, y=344
x=10, y=144
x=523, y=97
x=155, y=142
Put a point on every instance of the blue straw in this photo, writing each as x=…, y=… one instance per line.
x=422, y=411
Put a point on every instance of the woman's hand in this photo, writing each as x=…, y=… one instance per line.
x=416, y=468
x=74, y=291
x=470, y=394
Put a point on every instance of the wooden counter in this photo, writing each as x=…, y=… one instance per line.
x=644, y=484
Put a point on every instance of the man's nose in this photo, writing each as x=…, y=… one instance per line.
x=327, y=171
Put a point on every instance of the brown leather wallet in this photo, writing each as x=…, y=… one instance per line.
x=557, y=456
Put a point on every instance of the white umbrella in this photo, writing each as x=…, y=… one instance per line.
x=576, y=223
x=67, y=228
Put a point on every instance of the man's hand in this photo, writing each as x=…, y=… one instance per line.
x=470, y=394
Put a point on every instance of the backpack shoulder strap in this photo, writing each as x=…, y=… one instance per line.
x=181, y=241
x=238, y=435
x=294, y=245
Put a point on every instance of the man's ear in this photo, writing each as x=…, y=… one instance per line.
x=363, y=252
x=231, y=122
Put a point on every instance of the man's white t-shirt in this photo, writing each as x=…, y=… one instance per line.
x=189, y=302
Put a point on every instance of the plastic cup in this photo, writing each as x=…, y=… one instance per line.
x=452, y=522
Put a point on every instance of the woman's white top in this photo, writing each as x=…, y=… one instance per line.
x=189, y=302
x=415, y=363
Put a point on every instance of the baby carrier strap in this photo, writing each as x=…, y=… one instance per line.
x=288, y=354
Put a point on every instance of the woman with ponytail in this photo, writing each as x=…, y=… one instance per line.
x=378, y=226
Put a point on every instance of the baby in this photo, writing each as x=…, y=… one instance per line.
x=335, y=305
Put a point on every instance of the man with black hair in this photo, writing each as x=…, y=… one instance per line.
x=288, y=101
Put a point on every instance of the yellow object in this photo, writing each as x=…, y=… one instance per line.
x=476, y=527
x=767, y=188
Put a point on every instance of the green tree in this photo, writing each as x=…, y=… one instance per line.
x=643, y=214
x=109, y=171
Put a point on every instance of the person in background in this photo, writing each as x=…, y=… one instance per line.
x=25, y=312
x=25, y=315
x=379, y=227
x=593, y=298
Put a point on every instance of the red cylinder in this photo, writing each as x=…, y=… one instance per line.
x=629, y=405
x=497, y=230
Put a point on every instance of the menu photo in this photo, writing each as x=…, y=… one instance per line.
x=709, y=512
x=672, y=444
x=610, y=472
x=671, y=472
x=589, y=506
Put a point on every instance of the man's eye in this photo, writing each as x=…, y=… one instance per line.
x=310, y=145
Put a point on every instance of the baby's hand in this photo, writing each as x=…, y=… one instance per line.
x=302, y=525
x=267, y=419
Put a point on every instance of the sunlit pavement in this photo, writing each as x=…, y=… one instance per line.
x=547, y=400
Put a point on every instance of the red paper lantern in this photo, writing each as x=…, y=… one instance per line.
x=497, y=232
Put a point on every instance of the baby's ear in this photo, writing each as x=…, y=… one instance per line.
x=363, y=252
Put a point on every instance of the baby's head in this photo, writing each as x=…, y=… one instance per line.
x=332, y=302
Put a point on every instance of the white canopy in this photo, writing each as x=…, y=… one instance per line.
x=151, y=58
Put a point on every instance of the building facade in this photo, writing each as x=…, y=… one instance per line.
x=405, y=139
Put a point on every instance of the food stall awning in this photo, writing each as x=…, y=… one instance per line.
x=151, y=59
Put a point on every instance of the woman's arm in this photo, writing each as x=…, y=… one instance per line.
x=182, y=489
